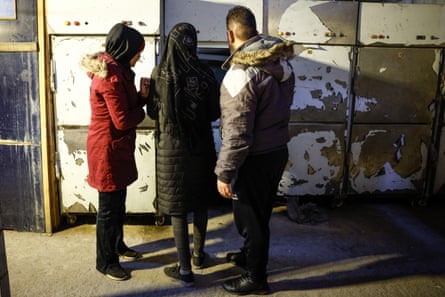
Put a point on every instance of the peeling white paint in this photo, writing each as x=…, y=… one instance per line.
x=390, y=180
x=405, y=24
x=74, y=188
x=356, y=147
x=301, y=20
x=72, y=108
x=319, y=74
x=207, y=16
x=363, y=104
x=437, y=59
x=71, y=83
x=100, y=15
x=74, y=172
x=304, y=153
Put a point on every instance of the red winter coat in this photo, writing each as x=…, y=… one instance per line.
x=116, y=110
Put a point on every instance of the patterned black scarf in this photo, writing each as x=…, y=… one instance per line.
x=182, y=81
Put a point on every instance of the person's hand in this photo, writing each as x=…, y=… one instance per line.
x=144, y=87
x=224, y=189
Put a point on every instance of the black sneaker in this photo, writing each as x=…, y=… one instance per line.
x=187, y=280
x=245, y=285
x=198, y=261
x=130, y=254
x=116, y=272
x=237, y=258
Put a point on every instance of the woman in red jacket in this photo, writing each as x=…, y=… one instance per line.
x=116, y=110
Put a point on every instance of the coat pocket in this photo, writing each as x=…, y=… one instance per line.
x=122, y=148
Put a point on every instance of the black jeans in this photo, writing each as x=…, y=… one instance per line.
x=109, y=228
x=256, y=188
x=181, y=235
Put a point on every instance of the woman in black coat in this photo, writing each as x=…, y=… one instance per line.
x=184, y=100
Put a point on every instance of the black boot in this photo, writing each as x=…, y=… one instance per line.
x=246, y=284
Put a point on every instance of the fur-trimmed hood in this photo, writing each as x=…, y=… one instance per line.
x=95, y=64
x=260, y=50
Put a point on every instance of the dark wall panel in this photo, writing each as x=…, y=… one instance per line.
x=19, y=104
x=20, y=188
x=24, y=27
x=395, y=85
x=20, y=162
x=21, y=199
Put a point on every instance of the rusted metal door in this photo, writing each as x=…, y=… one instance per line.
x=75, y=30
x=395, y=88
x=318, y=121
x=325, y=32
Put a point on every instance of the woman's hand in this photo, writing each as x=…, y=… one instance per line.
x=144, y=87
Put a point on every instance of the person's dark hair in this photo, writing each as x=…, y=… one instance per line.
x=245, y=20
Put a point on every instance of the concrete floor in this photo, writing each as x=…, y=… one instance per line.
x=364, y=248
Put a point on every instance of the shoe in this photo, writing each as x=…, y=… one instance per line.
x=187, y=280
x=198, y=261
x=116, y=272
x=245, y=284
x=237, y=258
x=130, y=255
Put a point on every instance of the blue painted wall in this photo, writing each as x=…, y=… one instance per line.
x=21, y=199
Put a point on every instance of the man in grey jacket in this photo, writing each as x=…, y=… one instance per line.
x=256, y=95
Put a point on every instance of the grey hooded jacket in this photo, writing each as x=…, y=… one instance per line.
x=256, y=95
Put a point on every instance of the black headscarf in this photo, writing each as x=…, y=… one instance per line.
x=182, y=81
x=123, y=43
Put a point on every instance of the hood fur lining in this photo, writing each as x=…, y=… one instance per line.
x=262, y=56
x=93, y=65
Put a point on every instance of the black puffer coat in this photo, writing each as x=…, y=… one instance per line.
x=184, y=100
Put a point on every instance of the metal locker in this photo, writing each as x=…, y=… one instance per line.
x=394, y=89
x=322, y=83
x=388, y=158
x=208, y=17
x=395, y=85
x=87, y=17
x=75, y=32
x=78, y=197
x=402, y=24
x=320, y=22
x=318, y=121
x=71, y=84
x=316, y=156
